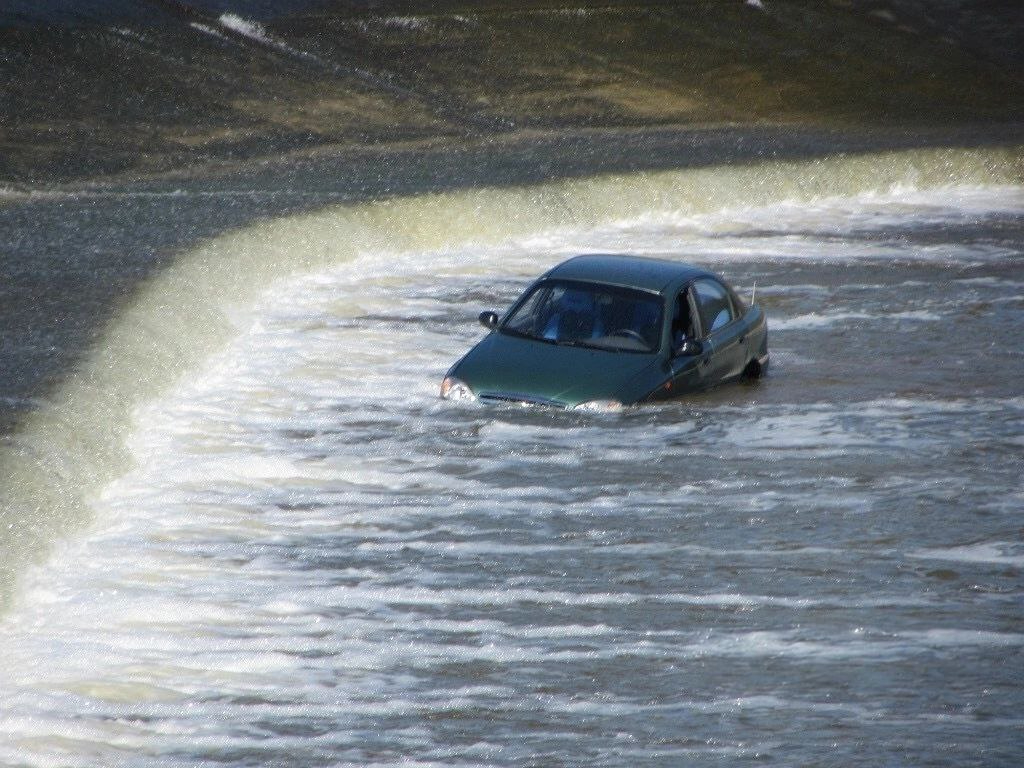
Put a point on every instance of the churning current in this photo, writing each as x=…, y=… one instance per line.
x=315, y=561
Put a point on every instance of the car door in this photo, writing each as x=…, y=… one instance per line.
x=724, y=333
x=690, y=369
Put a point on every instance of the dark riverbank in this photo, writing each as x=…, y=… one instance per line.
x=95, y=89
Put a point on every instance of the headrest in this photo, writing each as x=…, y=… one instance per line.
x=575, y=300
x=645, y=312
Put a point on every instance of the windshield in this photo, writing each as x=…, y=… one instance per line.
x=589, y=315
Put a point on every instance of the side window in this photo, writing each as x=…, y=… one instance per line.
x=739, y=308
x=682, y=320
x=714, y=305
x=531, y=317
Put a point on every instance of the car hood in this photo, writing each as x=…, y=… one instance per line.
x=509, y=367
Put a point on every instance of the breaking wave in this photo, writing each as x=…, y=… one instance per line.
x=70, y=448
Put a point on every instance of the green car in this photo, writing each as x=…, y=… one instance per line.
x=602, y=331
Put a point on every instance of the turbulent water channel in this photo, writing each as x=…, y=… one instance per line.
x=312, y=560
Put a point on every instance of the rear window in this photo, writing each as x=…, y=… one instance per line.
x=714, y=305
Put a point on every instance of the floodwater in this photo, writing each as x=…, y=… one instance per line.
x=309, y=559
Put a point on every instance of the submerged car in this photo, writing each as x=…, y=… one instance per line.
x=603, y=331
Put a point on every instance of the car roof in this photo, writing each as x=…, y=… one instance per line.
x=631, y=271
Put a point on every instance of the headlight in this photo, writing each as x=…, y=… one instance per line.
x=601, y=406
x=454, y=389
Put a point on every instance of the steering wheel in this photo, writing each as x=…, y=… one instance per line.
x=630, y=333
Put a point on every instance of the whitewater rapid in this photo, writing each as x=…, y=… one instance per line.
x=301, y=556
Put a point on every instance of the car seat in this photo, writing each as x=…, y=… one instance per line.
x=574, y=317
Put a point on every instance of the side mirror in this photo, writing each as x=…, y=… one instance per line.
x=689, y=348
x=489, y=320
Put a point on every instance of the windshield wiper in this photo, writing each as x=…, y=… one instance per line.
x=521, y=334
x=576, y=343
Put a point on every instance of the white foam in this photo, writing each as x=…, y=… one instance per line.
x=417, y=23
x=824, y=320
x=994, y=552
x=207, y=30
x=250, y=29
x=258, y=33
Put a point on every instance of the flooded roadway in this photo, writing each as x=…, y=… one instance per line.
x=312, y=560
